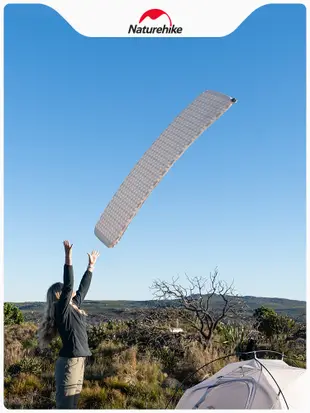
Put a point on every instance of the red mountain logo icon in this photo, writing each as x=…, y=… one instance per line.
x=154, y=14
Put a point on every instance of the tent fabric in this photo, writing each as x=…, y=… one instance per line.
x=157, y=161
x=251, y=384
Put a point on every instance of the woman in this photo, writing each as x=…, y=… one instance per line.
x=64, y=316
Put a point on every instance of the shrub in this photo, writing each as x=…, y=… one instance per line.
x=22, y=332
x=93, y=398
x=24, y=384
x=109, y=331
x=12, y=314
x=270, y=323
x=29, y=365
x=30, y=343
x=13, y=352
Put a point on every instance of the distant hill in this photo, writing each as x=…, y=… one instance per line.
x=106, y=309
x=292, y=308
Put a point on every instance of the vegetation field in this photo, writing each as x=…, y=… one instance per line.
x=138, y=362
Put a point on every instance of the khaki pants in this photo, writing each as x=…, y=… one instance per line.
x=69, y=376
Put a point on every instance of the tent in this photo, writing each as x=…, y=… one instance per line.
x=252, y=384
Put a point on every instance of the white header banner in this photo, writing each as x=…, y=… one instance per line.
x=117, y=18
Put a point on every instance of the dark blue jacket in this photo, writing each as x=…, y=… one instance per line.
x=71, y=324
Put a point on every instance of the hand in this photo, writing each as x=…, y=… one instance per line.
x=92, y=258
x=68, y=248
x=68, y=251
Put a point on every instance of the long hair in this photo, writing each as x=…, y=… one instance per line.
x=48, y=330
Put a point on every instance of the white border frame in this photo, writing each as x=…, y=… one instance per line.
x=101, y=18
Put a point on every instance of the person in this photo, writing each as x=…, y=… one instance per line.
x=64, y=316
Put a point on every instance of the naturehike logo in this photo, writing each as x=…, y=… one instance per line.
x=154, y=14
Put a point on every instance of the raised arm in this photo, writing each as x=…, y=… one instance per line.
x=66, y=293
x=86, y=280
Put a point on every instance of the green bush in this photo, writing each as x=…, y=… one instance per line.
x=30, y=365
x=270, y=323
x=12, y=314
x=30, y=343
x=232, y=337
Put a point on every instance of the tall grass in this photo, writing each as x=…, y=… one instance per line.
x=119, y=375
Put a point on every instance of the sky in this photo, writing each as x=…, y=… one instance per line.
x=80, y=112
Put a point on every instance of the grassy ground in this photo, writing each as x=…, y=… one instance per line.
x=119, y=374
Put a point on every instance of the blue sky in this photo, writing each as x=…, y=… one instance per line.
x=80, y=112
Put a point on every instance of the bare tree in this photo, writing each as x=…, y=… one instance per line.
x=205, y=302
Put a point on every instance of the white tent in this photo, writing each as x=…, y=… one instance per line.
x=251, y=384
